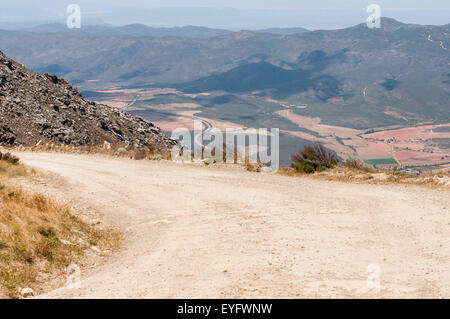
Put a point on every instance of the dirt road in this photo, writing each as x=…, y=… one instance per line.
x=203, y=232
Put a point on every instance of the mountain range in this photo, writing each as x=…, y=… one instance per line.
x=400, y=68
x=141, y=30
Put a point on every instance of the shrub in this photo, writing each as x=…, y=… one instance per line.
x=314, y=158
x=304, y=167
x=8, y=157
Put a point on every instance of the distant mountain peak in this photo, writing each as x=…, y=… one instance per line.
x=391, y=24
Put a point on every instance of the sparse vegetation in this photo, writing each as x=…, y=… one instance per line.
x=38, y=235
x=117, y=150
x=319, y=162
x=10, y=166
x=356, y=164
x=368, y=175
x=254, y=167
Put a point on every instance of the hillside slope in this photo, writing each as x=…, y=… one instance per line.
x=36, y=107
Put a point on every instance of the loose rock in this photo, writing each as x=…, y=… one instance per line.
x=27, y=292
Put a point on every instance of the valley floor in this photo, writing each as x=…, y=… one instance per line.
x=221, y=232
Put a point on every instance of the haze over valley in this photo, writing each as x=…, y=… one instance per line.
x=354, y=80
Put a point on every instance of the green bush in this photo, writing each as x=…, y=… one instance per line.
x=304, y=167
x=314, y=158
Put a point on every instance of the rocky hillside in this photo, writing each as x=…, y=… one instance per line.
x=37, y=108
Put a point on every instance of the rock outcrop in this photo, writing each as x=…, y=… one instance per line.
x=38, y=108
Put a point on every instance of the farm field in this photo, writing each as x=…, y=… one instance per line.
x=382, y=161
x=415, y=146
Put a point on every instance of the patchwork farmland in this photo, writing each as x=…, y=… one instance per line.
x=420, y=146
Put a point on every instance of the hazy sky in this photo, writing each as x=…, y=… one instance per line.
x=233, y=14
x=265, y=4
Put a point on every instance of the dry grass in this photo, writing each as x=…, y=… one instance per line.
x=254, y=167
x=316, y=162
x=372, y=176
x=8, y=170
x=116, y=150
x=38, y=235
x=355, y=164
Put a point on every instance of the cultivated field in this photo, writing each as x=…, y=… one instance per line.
x=410, y=146
x=419, y=146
